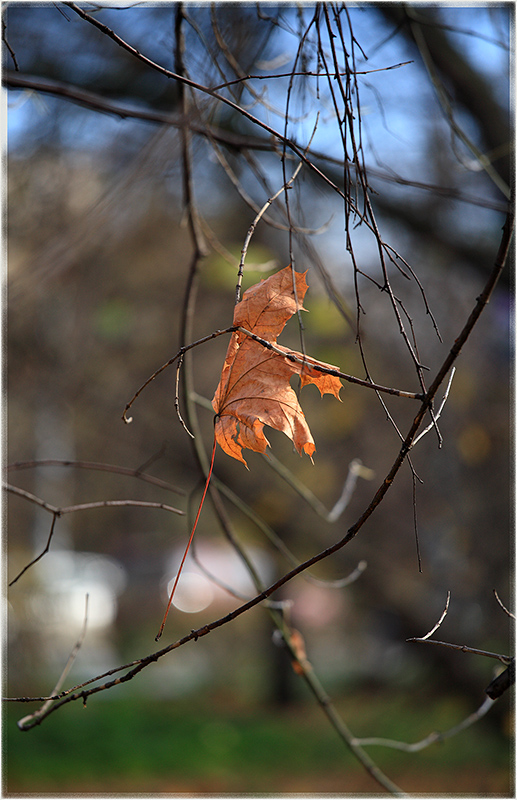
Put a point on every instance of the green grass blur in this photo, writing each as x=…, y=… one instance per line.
x=212, y=746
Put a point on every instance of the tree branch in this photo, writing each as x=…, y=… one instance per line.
x=135, y=667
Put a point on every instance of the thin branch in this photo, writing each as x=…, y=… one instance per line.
x=509, y=613
x=87, y=506
x=133, y=473
x=43, y=552
x=4, y=39
x=32, y=498
x=395, y=258
x=307, y=673
x=291, y=356
x=118, y=504
x=177, y=399
x=28, y=721
x=436, y=736
x=355, y=470
x=252, y=227
x=435, y=628
x=181, y=352
x=305, y=74
x=283, y=160
x=463, y=648
x=438, y=413
x=96, y=102
x=59, y=512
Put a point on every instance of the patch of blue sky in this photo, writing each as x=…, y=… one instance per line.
x=483, y=33
x=398, y=106
x=32, y=115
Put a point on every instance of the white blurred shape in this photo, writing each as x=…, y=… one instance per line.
x=193, y=592
x=66, y=577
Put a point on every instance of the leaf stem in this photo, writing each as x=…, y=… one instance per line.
x=162, y=626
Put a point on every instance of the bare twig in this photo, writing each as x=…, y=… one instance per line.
x=252, y=227
x=176, y=397
x=88, y=506
x=289, y=354
x=4, y=39
x=463, y=648
x=40, y=556
x=133, y=473
x=355, y=470
x=438, y=413
x=509, y=613
x=435, y=628
x=305, y=74
x=61, y=511
x=181, y=352
x=32, y=719
x=97, y=102
x=436, y=736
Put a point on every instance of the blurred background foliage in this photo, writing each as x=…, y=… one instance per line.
x=98, y=258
